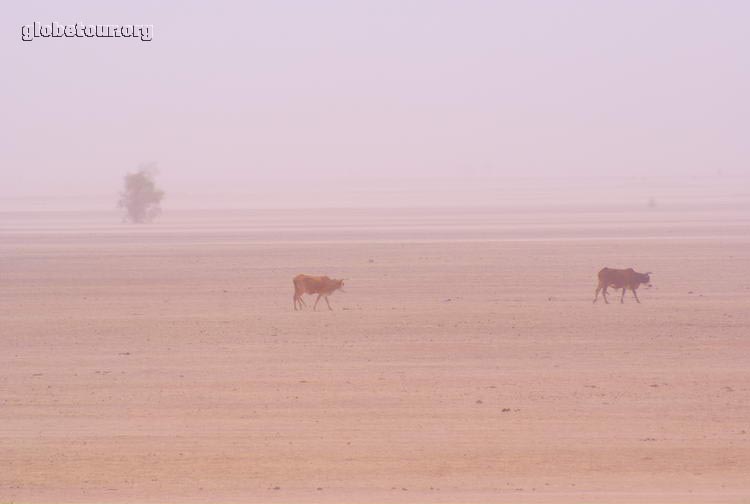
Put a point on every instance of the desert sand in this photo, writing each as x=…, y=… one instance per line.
x=465, y=363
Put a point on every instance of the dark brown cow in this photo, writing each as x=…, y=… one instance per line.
x=621, y=279
x=320, y=285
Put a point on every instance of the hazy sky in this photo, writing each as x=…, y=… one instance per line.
x=233, y=96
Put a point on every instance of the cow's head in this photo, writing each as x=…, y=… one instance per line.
x=645, y=278
x=341, y=284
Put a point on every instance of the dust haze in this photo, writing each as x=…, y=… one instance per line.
x=469, y=170
x=374, y=103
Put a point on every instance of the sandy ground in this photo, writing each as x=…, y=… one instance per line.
x=466, y=362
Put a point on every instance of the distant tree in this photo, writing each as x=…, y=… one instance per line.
x=140, y=197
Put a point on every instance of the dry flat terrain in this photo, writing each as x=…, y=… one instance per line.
x=466, y=362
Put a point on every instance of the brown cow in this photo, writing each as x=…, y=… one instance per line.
x=320, y=285
x=621, y=279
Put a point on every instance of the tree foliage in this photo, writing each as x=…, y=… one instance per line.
x=140, y=197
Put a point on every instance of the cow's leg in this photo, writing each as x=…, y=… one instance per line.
x=636, y=296
x=299, y=300
x=315, y=306
x=596, y=294
x=622, y=298
x=298, y=293
x=329, y=304
x=604, y=294
x=294, y=300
